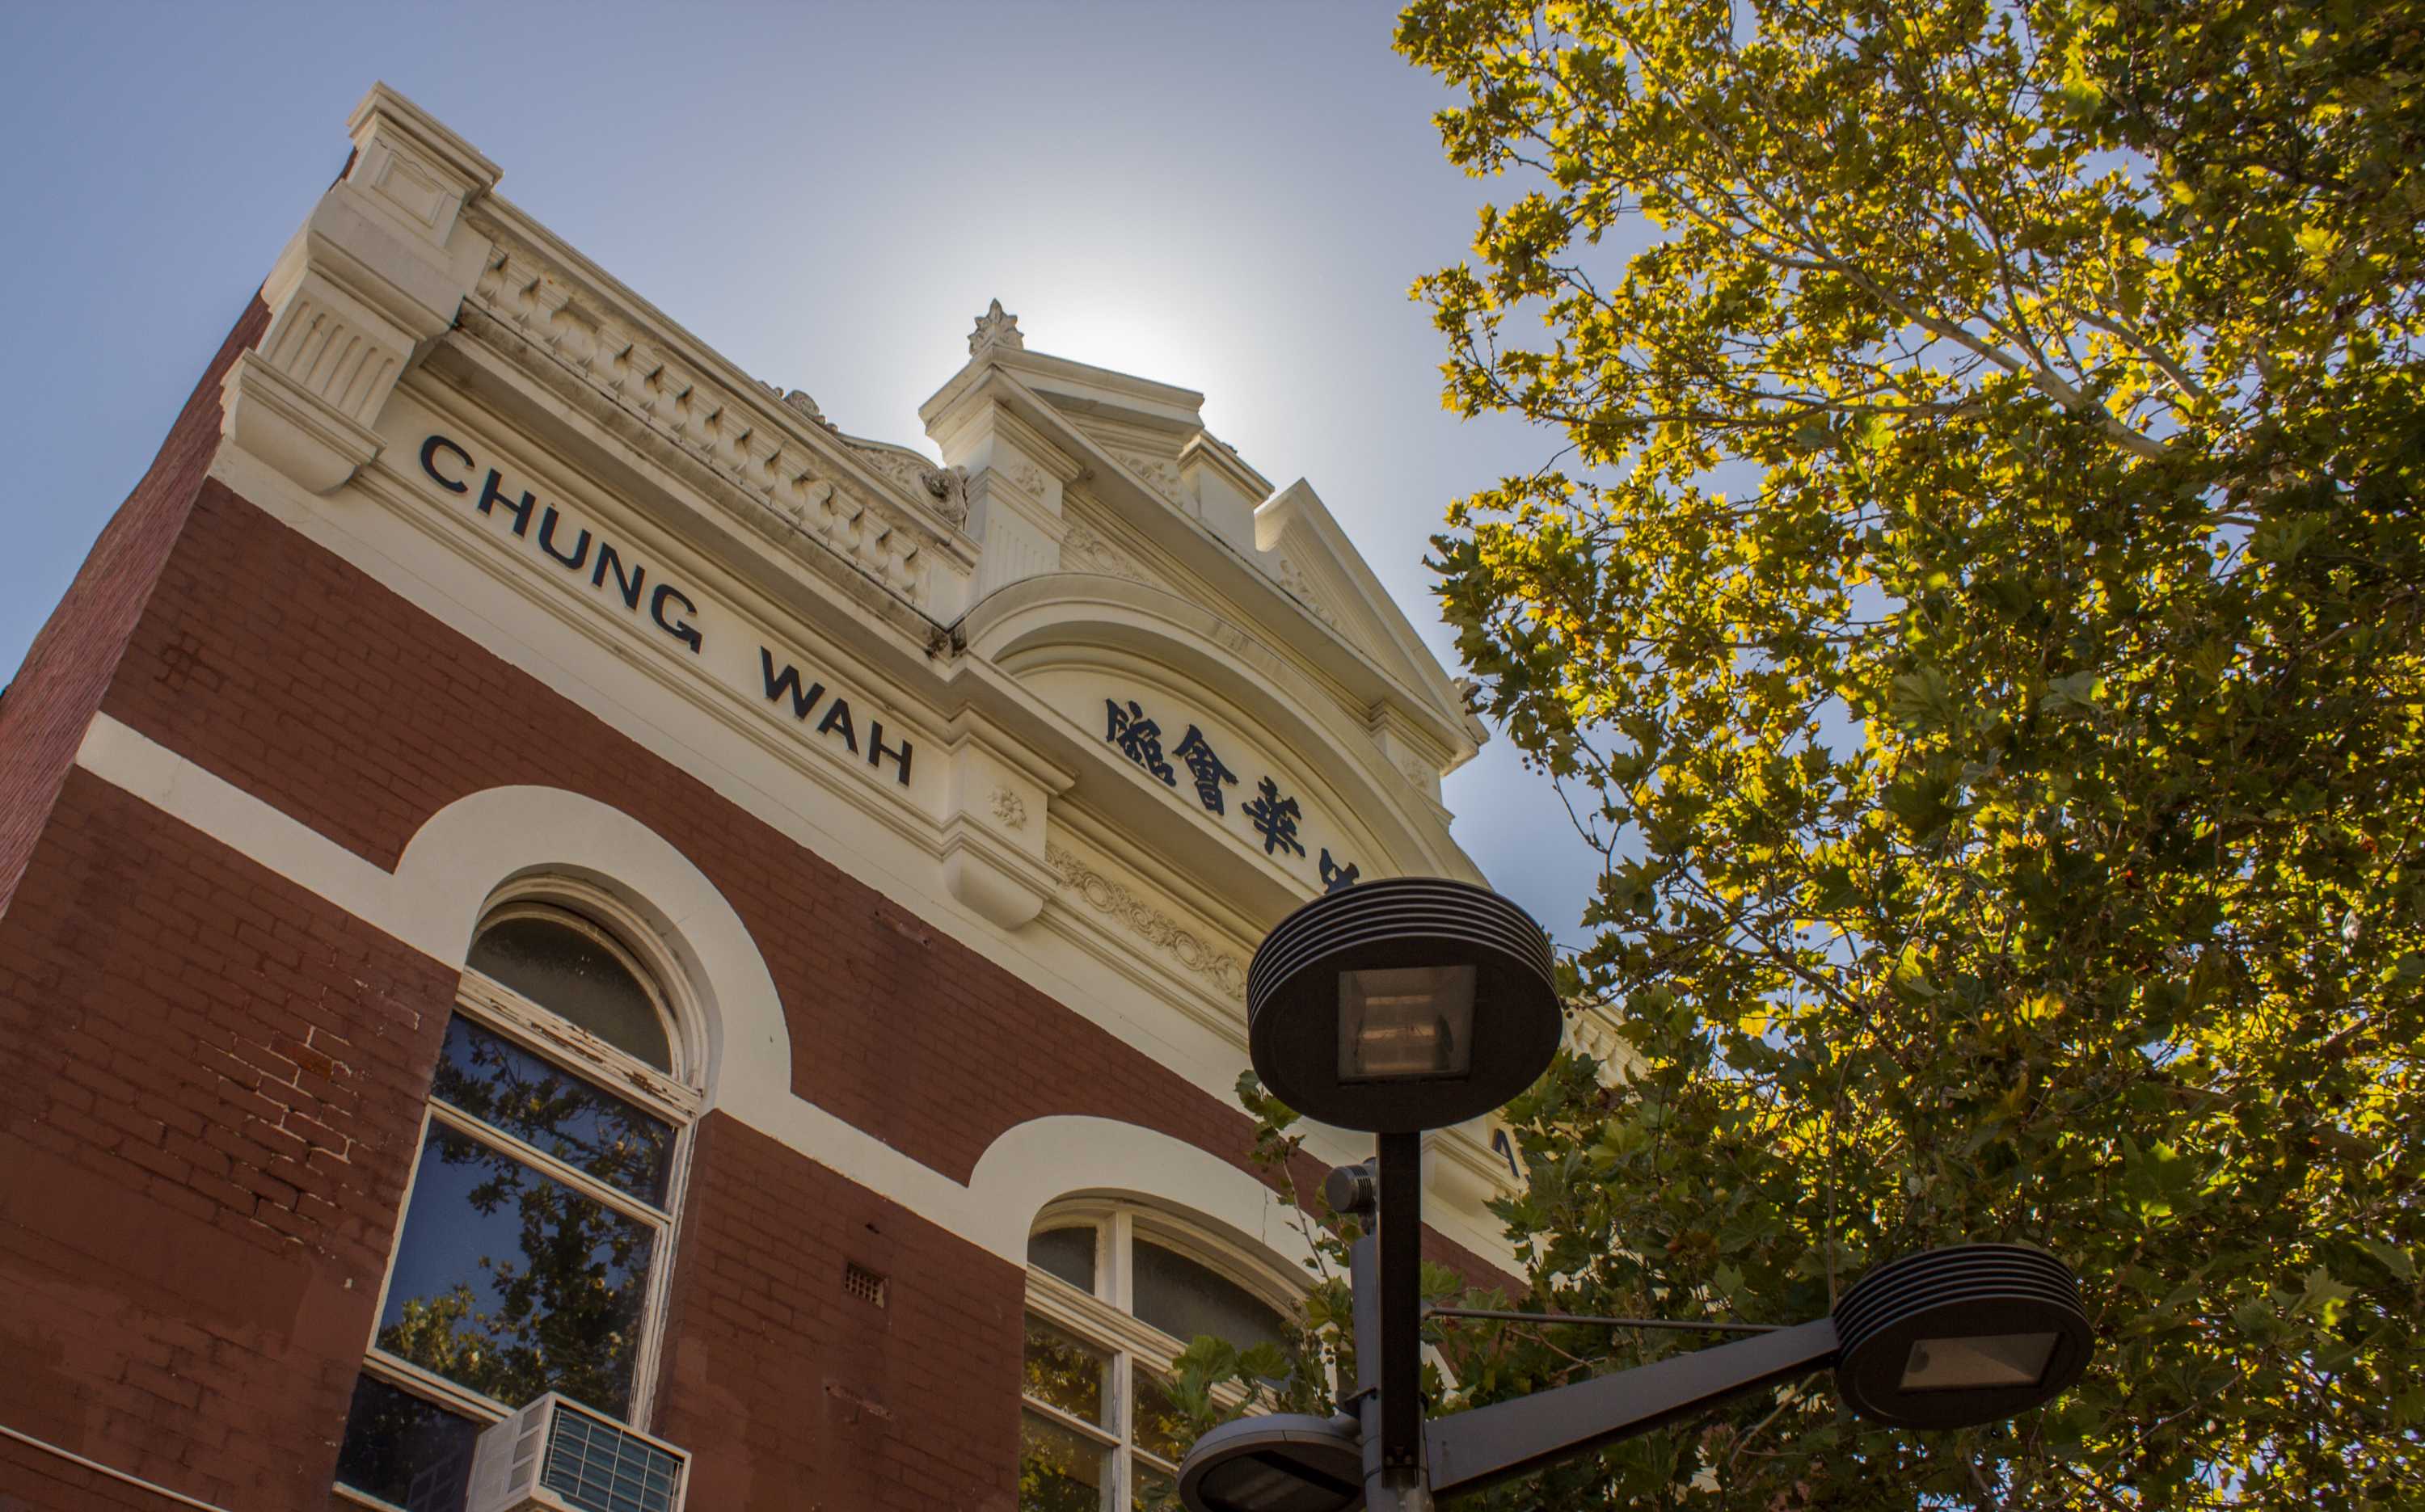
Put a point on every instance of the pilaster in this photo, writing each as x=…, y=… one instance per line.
x=1015, y=481
x=993, y=829
x=378, y=270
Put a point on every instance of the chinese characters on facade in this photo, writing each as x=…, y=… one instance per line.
x=1274, y=816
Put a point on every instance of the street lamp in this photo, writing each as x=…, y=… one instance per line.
x=1404, y=1005
x=1414, y=1003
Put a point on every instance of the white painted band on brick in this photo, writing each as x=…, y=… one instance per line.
x=110, y=1470
x=1045, y=1159
x=458, y=858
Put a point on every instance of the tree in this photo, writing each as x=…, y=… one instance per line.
x=1975, y=611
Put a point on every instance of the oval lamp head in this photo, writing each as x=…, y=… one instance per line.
x=1285, y=1462
x=1406, y=1004
x=1958, y=1337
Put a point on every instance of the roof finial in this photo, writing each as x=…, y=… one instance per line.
x=995, y=329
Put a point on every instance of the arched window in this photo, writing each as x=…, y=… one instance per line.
x=1115, y=1291
x=537, y=1227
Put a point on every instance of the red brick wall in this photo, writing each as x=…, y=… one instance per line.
x=210, y=1082
x=34, y=1480
x=52, y=698
x=210, y=1085
x=300, y=679
x=795, y=1396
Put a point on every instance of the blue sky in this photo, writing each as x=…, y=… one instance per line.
x=1230, y=196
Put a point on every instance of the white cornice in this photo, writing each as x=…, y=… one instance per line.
x=630, y=351
x=386, y=107
x=1206, y=450
x=1164, y=405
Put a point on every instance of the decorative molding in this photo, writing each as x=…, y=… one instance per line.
x=947, y=486
x=1084, y=551
x=1591, y=1031
x=1106, y=895
x=1009, y=808
x=778, y=451
x=800, y=399
x=902, y=467
x=1159, y=473
x=1292, y=578
x=996, y=330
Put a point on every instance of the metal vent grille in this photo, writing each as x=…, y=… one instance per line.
x=597, y=1467
x=862, y=1284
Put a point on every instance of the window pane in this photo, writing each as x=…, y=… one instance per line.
x=512, y=1284
x=1058, y=1471
x=1183, y=1300
x=1150, y=1490
x=1159, y=1429
x=559, y=966
x=406, y=1449
x=589, y=1129
x=1069, y=1253
x=1064, y=1373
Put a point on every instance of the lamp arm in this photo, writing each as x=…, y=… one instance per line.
x=1471, y=1450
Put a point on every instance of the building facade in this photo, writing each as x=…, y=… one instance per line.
x=531, y=862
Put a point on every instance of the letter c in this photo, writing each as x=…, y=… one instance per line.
x=429, y=450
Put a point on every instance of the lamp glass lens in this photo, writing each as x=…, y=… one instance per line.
x=1980, y=1360
x=1271, y=1483
x=1406, y=1023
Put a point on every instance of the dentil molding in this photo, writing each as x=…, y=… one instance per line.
x=809, y=482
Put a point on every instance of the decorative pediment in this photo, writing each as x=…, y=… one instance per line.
x=1138, y=452
x=1302, y=546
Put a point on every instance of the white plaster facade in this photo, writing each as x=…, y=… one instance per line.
x=1075, y=535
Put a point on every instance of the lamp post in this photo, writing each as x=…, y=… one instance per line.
x=1414, y=1003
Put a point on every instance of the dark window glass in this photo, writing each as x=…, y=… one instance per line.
x=499, y=1082
x=1069, y=1253
x=1183, y=1300
x=406, y=1449
x=563, y=968
x=512, y=1284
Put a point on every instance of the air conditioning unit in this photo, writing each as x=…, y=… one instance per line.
x=557, y=1456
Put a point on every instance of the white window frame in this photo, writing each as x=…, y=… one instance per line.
x=1104, y=1318
x=678, y=1099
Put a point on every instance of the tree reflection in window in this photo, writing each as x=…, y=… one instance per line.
x=540, y=1205
x=1059, y=1370
x=511, y=1283
x=1111, y=1407
x=1058, y=1471
x=580, y=1124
